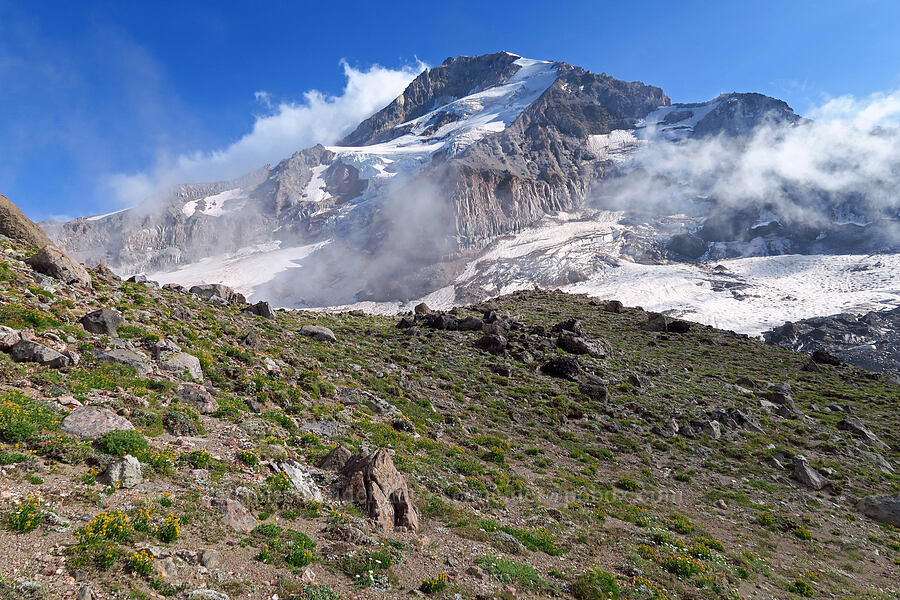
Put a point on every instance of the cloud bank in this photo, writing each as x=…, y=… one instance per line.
x=283, y=129
x=842, y=167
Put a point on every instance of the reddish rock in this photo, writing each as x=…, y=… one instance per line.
x=373, y=482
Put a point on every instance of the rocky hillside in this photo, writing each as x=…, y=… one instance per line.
x=163, y=442
x=870, y=341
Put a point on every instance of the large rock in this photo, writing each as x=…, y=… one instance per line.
x=492, y=343
x=261, y=308
x=122, y=473
x=301, y=480
x=336, y=459
x=574, y=344
x=102, y=322
x=125, y=357
x=805, y=474
x=373, y=482
x=855, y=427
x=91, y=422
x=566, y=367
x=29, y=351
x=317, y=332
x=656, y=322
x=217, y=291
x=14, y=224
x=884, y=508
x=52, y=261
x=235, y=515
x=594, y=388
x=182, y=362
x=197, y=397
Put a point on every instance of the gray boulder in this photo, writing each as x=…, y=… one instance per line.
x=52, y=261
x=91, y=422
x=301, y=479
x=855, y=427
x=492, y=343
x=197, y=397
x=317, y=332
x=212, y=291
x=122, y=473
x=125, y=357
x=883, y=508
x=805, y=474
x=574, y=344
x=29, y=351
x=182, y=362
x=261, y=308
x=336, y=459
x=102, y=322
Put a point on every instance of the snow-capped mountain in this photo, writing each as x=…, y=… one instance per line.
x=487, y=174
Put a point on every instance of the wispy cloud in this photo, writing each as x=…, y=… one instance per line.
x=283, y=129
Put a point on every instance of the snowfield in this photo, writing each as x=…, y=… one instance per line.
x=747, y=295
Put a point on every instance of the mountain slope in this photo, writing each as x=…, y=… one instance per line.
x=551, y=445
x=480, y=148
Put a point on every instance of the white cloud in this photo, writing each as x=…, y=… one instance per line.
x=878, y=109
x=285, y=128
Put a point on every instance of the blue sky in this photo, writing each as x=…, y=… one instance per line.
x=102, y=101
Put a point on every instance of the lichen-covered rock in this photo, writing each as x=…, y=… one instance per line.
x=29, y=351
x=91, y=422
x=805, y=474
x=124, y=473
x=198, y=397
x=373, y=482
x=301, y=479
x=317, y=332
x=234, y=514
x=121, y=356
x=52, y=261
x=182, y=362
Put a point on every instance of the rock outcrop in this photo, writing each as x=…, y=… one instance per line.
x=52, y=261
x=373, y=482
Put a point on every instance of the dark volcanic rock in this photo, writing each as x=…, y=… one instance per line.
x=870, y=341
x=594, y=388
x=213, y=291
x=565, y=367
x=261, y=308
x=884, y=508
x=492, y=343
x=102, y=322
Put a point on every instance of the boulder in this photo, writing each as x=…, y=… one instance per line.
x=678, y=326
x=492, y=343
x=713, y=429
x=373, y=482
x=421, y=309
x=52, y=261
x=235, y=515
x=91, y=422
x=565, y=367
x=336, y=459
x=470, y=323
x=614, y=306
x=594, y=388
x=823, y=357
x=174, y=287
x=122, y=473
x=214, y=291
x=197, y=397
x=29, y=351
x=182, y=362
x=102, y=322
x=251, y=340
x=261, y=308
x=855, y=427
x=656, y=322
x=14, y=224
x=574, y=344
x=805, y=474
x=883, y=508
x=125, y=357
x=406, y=322
x=317, y=332
x=301, y=479
x=571, y=325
